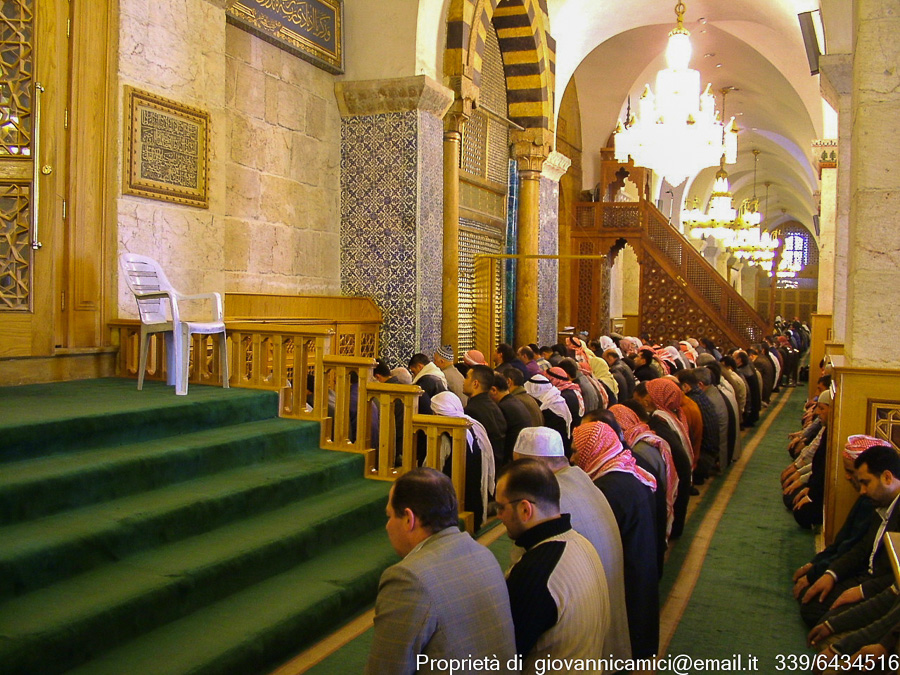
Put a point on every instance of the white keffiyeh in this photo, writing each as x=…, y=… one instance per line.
x=448, y=404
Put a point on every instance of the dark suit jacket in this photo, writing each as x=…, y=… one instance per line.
x=447, y=600
x=855, y=562
x=483, y=409
x=767, y=370
x=517, y=418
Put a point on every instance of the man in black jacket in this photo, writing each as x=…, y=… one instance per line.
x=514, y=412
x=864, y=570
x=477, y=387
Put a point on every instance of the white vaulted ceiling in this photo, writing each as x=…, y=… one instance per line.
x=611, y=49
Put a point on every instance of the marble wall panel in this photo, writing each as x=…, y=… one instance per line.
x=548, y=270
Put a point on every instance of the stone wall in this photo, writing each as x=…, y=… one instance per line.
x=273, y=218
x=282, y=230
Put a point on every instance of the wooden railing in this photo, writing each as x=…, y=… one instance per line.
x=642, y=221
x=740, y=318
x=280, y=357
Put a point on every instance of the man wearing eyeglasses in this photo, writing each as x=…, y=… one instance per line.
x=557, y=589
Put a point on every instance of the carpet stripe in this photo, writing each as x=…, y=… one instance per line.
x=684, y=585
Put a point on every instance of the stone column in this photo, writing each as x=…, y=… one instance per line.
x=554, y=167
x=453, y=128
x=530, y=148
x=749, y=283
x=836, y=81
x=392, y=204
x=826, y=158
x=721, y=263
x=736, y=278
x=873, y=270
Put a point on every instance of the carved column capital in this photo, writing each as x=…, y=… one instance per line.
x=402, y=94
x=555, y=166
x=531, y=147
x=457, y=116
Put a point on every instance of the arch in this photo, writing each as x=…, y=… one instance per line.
x=528, y=50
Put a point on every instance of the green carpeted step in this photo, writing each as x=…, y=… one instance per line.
x=39, y=487
x=38, y=420
x=63, y=625
x=259, y=627
x=38, y=552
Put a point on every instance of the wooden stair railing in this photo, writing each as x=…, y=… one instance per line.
x=642, y=224
x=278, y=357
x=734, y=315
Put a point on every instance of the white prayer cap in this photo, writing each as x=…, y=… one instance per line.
x=539, y=442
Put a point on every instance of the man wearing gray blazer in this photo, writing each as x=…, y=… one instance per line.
x=447, y=598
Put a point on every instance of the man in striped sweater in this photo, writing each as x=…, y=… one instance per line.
x=557, y=589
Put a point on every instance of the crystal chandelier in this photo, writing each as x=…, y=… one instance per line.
x=719, y=221
x=677, y=132
x=750, y=242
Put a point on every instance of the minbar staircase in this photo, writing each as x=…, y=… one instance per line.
x=681, y=294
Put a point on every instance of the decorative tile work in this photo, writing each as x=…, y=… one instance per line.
x=430, y=232
x=548, y=270
x=391, y=224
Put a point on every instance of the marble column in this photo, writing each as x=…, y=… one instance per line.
x=530, y=148
x=555, y=166
x=392, y=205
x=453, y=127
x=873, y=270
x=836, y=81
x=828, y=176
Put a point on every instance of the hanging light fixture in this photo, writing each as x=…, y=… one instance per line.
x=677, y=132
x=750, y=243
x=719, y=220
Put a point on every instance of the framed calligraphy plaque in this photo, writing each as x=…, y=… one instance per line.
x=310, y=29
x=166, y=150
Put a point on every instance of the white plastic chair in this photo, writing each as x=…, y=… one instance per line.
x=151, y=290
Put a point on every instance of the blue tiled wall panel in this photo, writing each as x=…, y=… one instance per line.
x=391, y=206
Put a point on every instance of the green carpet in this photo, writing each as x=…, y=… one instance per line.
x=742, y=602
x=145, y=533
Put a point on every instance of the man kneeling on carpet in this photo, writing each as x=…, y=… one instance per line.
x=864, y=570
x=557, y=589
x=447, y=598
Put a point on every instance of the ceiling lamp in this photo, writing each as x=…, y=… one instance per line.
x=750, y=243
x=677, y=132
x=719, y=220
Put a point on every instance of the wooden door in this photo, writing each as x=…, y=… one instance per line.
x=33, y=94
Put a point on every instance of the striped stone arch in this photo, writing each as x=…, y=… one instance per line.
x=528, y=50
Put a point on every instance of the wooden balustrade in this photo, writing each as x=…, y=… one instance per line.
x=601, y=226
x=279, y=357
x=396, y=404
x=339, y=430
x=435, y=427
x=261, y=356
